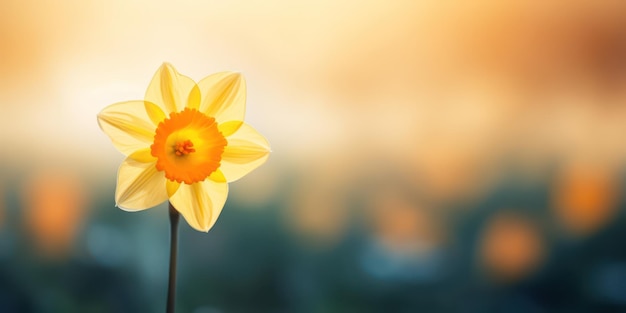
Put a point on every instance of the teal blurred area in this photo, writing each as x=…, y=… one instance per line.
x=376, y=245
x=426, y=157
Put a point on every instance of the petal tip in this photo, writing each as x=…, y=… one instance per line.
x=238, y=75
x=117, y=205
x=167, y=66
x=235, y=76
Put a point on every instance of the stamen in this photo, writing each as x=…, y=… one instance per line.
x=184, y=148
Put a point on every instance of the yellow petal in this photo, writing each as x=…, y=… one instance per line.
x=193, y=102
x=143, y=156
x=218, y=176
x=172, y=187
x=139, y=186
x=229, y=128
x=223, y=96
x=169, y=89
x=246, y=150
x=154, y=112
x=128, y=125
x=200, y=203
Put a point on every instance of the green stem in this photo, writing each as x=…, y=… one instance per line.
x=171, y=287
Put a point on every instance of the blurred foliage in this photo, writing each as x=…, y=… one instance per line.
x=255, y=261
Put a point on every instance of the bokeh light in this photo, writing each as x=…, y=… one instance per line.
x=53, y=211
x=511, y=247
x=585, y=198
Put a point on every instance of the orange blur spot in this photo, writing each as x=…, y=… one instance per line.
x=318, y=214
x=585, y=198
x=403, y=226
x=511, y=247
x=53, y=212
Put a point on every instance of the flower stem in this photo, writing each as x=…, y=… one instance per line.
x=171, y=287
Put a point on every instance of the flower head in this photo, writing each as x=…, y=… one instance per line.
x=184, y=142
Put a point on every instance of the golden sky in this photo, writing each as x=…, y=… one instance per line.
x=438, y=87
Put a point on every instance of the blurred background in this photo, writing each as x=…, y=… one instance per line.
x=428, y=156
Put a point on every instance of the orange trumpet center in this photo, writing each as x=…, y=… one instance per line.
x=188, y=146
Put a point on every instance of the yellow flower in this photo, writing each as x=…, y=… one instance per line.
x=184, y=143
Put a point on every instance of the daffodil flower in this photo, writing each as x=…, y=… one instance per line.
x=184, y=142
